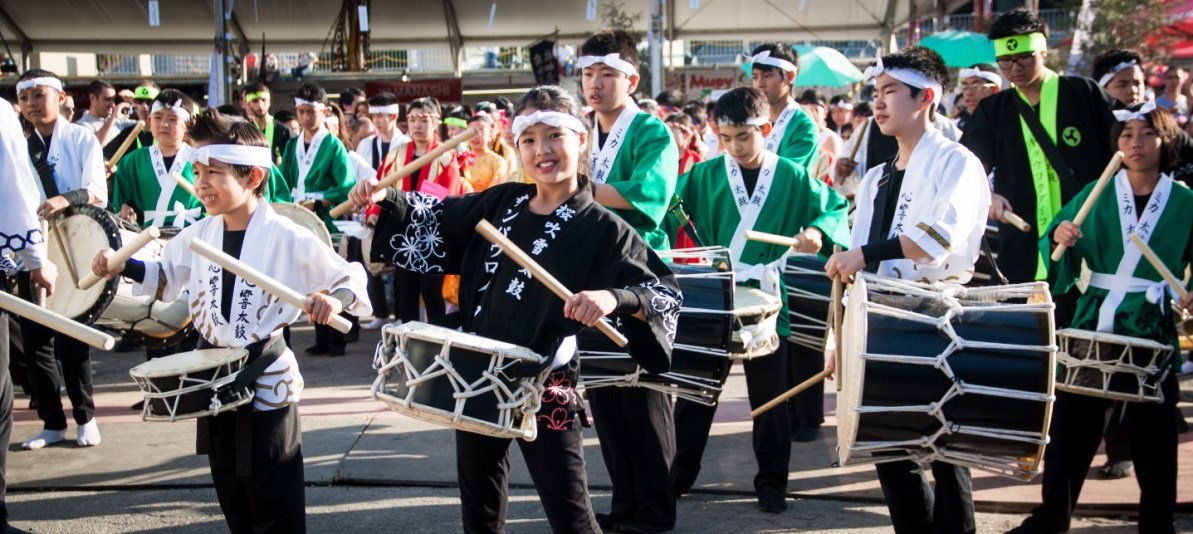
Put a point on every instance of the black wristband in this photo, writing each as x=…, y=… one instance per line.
x=135, y=270
x=891, y=249
x=345, y=296
x=627, y=301
x=76, y=197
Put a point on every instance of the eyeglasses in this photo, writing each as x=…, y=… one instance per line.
x=1024, y=61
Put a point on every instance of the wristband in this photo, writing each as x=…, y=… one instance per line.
x=891, y=249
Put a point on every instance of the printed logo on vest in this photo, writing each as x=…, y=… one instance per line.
x=1072, y=136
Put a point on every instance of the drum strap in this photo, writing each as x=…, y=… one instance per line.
x=262, y=354
x=38, y=153
x=1002, y=279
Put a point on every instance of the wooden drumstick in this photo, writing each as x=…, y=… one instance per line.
x=128, y=142
x=1152, y=258
x=261, y=280
x=774, y=239
x=1089, y=201
x=41, y=291
x=1010, y=218
x=394, y=177
x=860, y=135
x=56, y=322
x=185, y=185
x=539, y=273
x=122, y=255
x=815, y=379
x=70, y=262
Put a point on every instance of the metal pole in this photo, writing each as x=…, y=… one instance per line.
x=654, y=41
x=220, y=94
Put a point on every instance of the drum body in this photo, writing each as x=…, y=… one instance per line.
x=454, y=379
x=945, y=372
x=808, y=290
x=86, y=230
x=755, y=331
x=700, y=357
x=1111, y=366
x=304, y=218
x=183, y=385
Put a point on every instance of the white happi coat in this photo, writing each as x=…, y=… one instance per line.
x=20, y=232
x=280, y=249
x=77, y=160
x=943, y=204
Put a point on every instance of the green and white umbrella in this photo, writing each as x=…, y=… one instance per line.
x=820, y=66
x=960, y=49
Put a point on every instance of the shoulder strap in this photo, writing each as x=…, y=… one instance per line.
x=38, y=153
x=1063, y=171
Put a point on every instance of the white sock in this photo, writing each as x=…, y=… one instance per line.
x=43, y=438
x=89, y=434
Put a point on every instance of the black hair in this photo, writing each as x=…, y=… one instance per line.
x=681, y=118
x=311, y=92
x=96, y=87
x=741, y=104
x=923, y=60
x=1112, y=58
x=671, y=97
x=426, y=103
x=168, y=97
x=1017, y=22
x=984, y=67
x=777, y=51
x=351, y=94
x=229, y=110
x=612, y=41
x=863, y=109
x=481, y=116
x=284, y=116
x=555, y=98
x=255, y=87
x=839, y=99
x=1162, y=121
x=810, y=97
x=503, y=104
x=698, y=112
x=383, y=99
x=211, y=127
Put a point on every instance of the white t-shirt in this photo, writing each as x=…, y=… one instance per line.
x=95, y=124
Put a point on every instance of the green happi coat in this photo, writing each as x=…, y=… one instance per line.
x=799, y=136
x=643, y=171
x=143, y=182
x=794, y=202
x=1109, y=253
x=326, y=173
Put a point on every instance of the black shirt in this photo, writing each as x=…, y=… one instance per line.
x=750, y=178
x=233, y=243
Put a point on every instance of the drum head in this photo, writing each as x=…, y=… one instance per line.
x=304, y=218
x=751, y=302
x=195, y=360
x=84, y=230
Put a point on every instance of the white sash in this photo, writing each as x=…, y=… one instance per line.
x=157, y=216
x=602, y=161
x=748, y=208
x=1122, y=281
x=306, y=157
x=780, y=128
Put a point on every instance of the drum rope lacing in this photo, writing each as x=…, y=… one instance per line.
x=1124, y=363
x=951, y=296
x=706, y=392
x=224, y=374
x=528, y=397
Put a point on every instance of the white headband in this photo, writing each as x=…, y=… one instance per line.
x=752, y=121
x=613, y=60
x=392, y=109
x=176, y=108
x=300, y=102
x=256, y=156
x=1126, y=115
x=52, y=83
x=550, y=118
x=848, y=106
x=978, y=73
x=910, y=77
x=763, y=58
x=1105, y=79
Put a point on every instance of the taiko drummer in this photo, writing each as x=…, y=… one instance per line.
x=255, y=452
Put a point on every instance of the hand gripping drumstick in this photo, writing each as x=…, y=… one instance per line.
x=56, y=322
x=539, y=273
x=41, y=291
x=187, y=186
x=125, y=145
x=774, y=239
x=1009, y=217
x=122, y=255
x=836, y=312
x=860, y=135
x=1152, y=258
x=259, y=279
x=394, y=177
x=1089, y=201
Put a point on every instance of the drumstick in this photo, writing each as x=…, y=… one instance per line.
x=41, y=291
x=56, y=322
x=539, y=273
x=124, y=146
x=860, y=135
x=261, y=280
x=815, y=379
x=1009, y=217
x=1152, y=258
x=122, y=255
x=185, y=185
x=1089, y=201
x=394, y=177
x=70, y=263
x=774, y=239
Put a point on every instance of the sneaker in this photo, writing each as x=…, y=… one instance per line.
x=317, y=350
x=772, y=503
x=1117, y=470
x=375, y=324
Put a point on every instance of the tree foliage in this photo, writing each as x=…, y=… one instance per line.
x=1134, y=24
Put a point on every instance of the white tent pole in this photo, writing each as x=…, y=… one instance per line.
x=654, y=43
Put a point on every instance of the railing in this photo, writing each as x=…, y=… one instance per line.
x=181, y=65
x=1060, y=22
x=118, y=64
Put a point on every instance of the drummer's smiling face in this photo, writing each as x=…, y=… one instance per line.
x=550, y=155
x=223, y=191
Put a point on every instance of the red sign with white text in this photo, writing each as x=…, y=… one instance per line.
x=444, y=90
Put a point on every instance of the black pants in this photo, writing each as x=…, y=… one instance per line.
x=915, y=508
x=637, y=433
x=5, y=409
x=1075, y=433
x=556, y=463
x=1118, y=445
x=42, y=346
x=377, y=296
x=807, y=408
x=410, y=286
x=766, y=378
x=273, y=498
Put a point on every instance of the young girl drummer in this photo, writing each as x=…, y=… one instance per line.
x=1122, y=299
x=589, y=249
x=255, y=452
